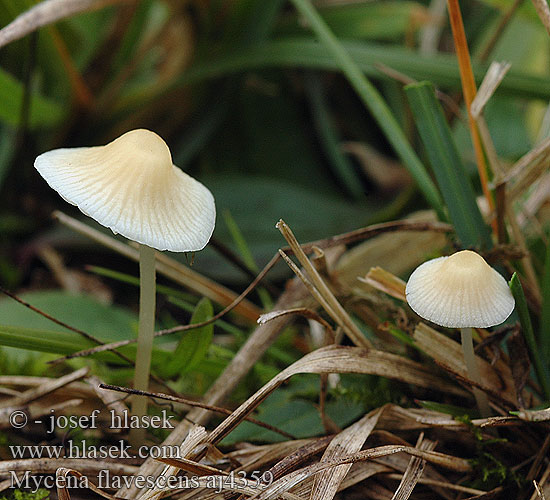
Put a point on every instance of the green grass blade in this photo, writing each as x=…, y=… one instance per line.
x=43, y=111
x=306, y=52
x=545, y=309
x=63, y=343
x=541, y=370
x=373, y=101
x=449, y=170
x=341, y=164
x=246, y=254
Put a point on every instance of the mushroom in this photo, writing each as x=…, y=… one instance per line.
x=461, y=291
x=131, y=186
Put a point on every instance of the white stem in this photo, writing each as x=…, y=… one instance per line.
x=146, y=331
x=473, y=371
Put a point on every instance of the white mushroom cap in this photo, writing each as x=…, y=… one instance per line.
x=460, y=291
x=131, y=186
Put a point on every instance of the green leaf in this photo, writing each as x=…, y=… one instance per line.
x=43, y=111
x=541, y=370
x=193, y=345
x=106, y=322
x=449, y=170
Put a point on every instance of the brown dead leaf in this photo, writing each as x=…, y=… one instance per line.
x=347, y=442
x=414, y=471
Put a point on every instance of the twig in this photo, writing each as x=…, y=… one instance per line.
x=47, y=12
x=190, y=402
x=323, y=293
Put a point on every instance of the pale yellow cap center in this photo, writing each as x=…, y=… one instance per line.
x=142, y=148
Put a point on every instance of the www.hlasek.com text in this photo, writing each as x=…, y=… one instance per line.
x=83, y=449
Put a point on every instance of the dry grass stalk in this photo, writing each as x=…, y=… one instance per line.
x=48, y=387
x=343, y=360
x=493, y=78
x=520, y=176
x=414, y=471
x=48, y=12
x=443, y=484
x=300, y=311
x=530, y=175
x=196, y=435
x=167, y=267
x=543, y=11
x=385, y=282
x=322, y=291
x=447, y=353
x=349, y=441
x=397, y=252
x=109, y=399
x=191, y=403
x=298, y=457
x=192, y=467
x=539, y=492
x=289, y=481
x=338, y=359
x=368, y=232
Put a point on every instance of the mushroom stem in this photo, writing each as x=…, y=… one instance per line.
x=473, y=371
x=146, y=329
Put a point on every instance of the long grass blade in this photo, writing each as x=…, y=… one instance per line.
x=374, y=102
x=449, y=170
x=541, y=370
x=544, y=336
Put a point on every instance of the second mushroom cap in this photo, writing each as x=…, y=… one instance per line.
x=459, y=291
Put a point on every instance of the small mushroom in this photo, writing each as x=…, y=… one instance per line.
x=461, y=291
x=131, y=186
